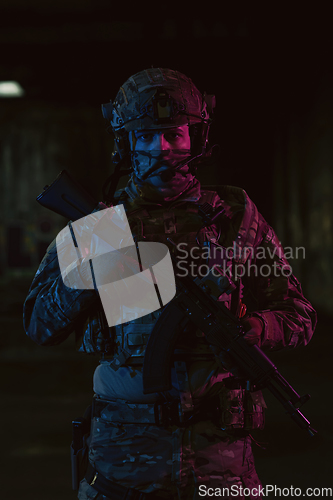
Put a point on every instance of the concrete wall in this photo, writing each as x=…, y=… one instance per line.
x=303, y=184
x=38, y=141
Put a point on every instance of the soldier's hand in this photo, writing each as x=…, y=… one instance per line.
x=253, y=327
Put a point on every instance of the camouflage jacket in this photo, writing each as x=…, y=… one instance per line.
x=52, y=311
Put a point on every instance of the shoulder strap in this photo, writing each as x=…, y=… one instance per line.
x=236, y=201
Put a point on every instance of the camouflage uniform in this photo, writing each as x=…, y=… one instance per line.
x=126, y=444
x=211, y=448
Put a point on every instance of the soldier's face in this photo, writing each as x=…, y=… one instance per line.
x=163, y=139
x=156, y=154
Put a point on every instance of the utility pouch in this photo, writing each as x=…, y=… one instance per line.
x=79, y=447
x=242, y=409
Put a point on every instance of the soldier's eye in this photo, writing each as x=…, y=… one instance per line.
x=145, y=137
x=172, y=136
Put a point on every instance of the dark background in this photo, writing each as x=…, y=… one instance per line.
x=271, y=73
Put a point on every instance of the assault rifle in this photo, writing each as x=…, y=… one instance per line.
x=195, y=301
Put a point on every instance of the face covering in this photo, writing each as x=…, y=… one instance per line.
x=158, y=163
x=161, y=175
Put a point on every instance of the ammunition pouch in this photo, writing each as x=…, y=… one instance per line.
x=241, y=408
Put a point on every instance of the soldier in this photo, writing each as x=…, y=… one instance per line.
x=140, y=445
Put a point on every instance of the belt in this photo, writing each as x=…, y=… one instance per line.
x=161, y=414
x=114, y=490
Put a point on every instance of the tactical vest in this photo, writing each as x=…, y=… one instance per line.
x=181, y=228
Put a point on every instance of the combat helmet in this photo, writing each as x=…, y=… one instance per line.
x=159, y=98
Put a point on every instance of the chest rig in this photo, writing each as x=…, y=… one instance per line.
x=188, y=231
x=191, y=236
